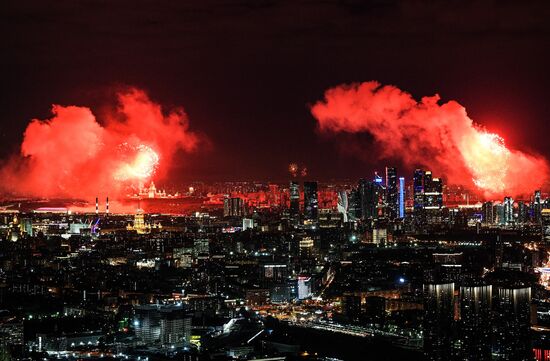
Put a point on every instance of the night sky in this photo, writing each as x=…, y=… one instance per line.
x=246, y=72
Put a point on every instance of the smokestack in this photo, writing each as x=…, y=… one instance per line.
x=107, y=207
x=96, y=205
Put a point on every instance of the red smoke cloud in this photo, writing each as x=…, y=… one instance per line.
x=440, y=137
x=73, y=155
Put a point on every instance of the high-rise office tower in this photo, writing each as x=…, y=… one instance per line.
x=437, y=188
x=487, y=212
x=508, y=215
x=475, y=322
x=311, y=200
x=523, y=213
x=427, y=179
x=537, y=206
x=499, y=214
x=433, y=192
x=377, y=193
x=295, y=201
x=364, y=188
x=343, y=205
x=392, y=200
x=370, y=193
x=401, y=197
x=428, y=197
x=545, y=222
x=418, y=189
x=354, y=206
x=512, y=324
x=438, y=320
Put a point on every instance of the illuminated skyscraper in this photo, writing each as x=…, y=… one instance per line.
x=343, y=204
x=401, y=197
x=418, y=189
x=311, y=200
x=428, y=196
x=523, y=213
x=364, y=199
x=537, y=207
x=370, y=193
x=545, y=220
x=508, y=205
x=437, y=188
x=487, y=211
x=392, y=201
x=354, y=206
x=295, y=201
x=499, y=214
x=427, y=179
x=433, y=192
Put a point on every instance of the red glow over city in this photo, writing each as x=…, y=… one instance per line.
x=440, y=137
x=75, y=155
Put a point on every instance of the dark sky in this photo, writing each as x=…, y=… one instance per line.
x=245, y=71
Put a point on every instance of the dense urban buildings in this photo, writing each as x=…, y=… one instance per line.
x=267, y=180
x=230, y=270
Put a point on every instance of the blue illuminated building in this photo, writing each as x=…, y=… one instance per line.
x=401, y=197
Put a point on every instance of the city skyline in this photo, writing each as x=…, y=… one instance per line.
x=231, y=180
